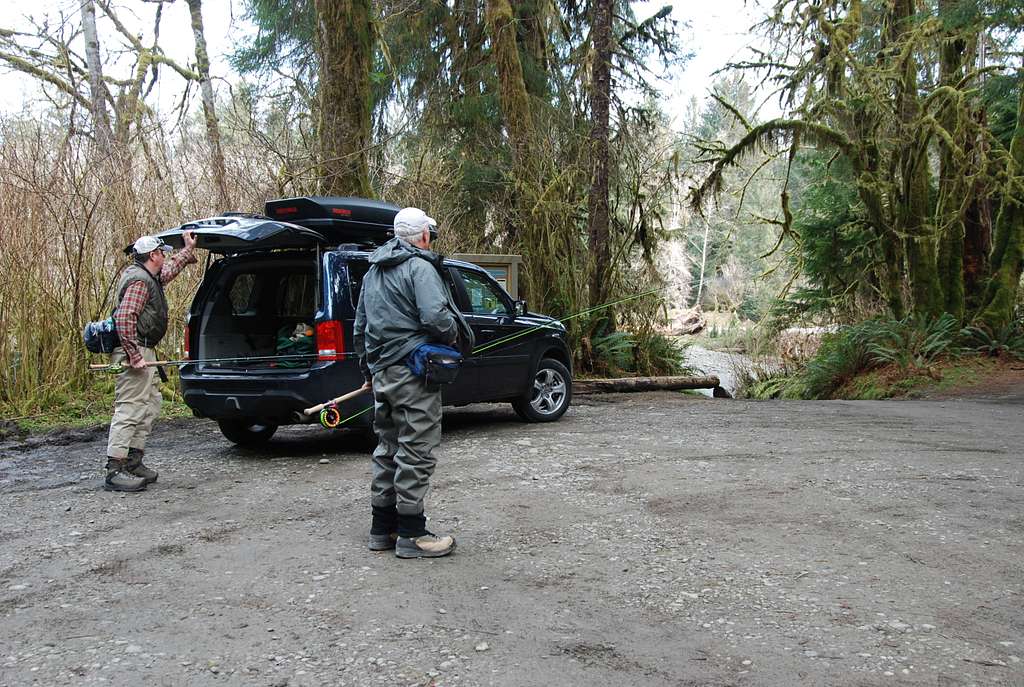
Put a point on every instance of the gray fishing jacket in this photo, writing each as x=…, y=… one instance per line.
x=404, y=303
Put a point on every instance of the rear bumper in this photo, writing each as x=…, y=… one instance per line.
x=274, y=398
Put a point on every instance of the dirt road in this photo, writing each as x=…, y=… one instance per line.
x=651, y=539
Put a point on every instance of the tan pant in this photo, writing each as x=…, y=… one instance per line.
x=136, y=405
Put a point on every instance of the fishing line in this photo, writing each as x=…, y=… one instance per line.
x=546, y=325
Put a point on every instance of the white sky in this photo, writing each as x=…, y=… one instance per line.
x=717, y=34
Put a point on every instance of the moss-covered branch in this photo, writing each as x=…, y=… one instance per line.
x=764, y=135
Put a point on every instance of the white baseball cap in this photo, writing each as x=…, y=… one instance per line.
x=411, y=221
x=148, y=244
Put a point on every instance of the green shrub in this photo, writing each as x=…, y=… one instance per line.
x=913, y=344
x=648, y=353
x=612, y=353
x=657, y=354
x=762, y=381
x=1007, y=340
x=910, y=344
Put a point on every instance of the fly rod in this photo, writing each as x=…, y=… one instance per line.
x=335, y=418
x=117, y=368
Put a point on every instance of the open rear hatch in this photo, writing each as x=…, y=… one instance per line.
x=304, y=222
x=238, y=234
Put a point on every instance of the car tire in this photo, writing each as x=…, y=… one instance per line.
x=549, y=395
x=247, y=433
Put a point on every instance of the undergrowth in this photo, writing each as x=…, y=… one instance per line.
x=625, y=353
x=52, y=408
x=880, y=358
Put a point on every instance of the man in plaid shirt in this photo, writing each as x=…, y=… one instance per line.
x=141, y=322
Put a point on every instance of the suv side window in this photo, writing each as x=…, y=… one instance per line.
x=296, y=295
x=357, y=269
x=484, y=297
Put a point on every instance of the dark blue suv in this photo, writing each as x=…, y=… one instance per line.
x=297, y=270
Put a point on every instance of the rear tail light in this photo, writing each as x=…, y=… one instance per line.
x=330, y=341
x=188, y=335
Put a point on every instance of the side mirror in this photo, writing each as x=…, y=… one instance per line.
x=520, y=308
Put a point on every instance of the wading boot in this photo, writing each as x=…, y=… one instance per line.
x=135, y=466
x=119, y=479
x=415, y=541
x=383, y=528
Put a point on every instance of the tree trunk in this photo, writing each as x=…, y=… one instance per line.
x=890, y=272
x=600, y=96
x=1008, y=244
x=632, y=384
x=345, y=44
x=952, y=188
x=977, y=240
x=97, y=89
x=978, y=220
x=515, y=104
x=195, y=8
x=532, y=41
x=922, y=262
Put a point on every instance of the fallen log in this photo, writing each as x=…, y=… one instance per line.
x=631, y=384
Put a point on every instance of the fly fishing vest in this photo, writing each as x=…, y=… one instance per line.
x=152, y=323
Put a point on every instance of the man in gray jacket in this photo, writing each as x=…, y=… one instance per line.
x=403, y=304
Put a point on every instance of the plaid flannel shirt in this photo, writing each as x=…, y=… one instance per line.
x=135, y=298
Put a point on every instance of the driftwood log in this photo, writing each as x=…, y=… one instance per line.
x=628, y=384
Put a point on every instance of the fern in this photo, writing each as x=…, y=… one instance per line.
x=1006, y=340
x=613, y=351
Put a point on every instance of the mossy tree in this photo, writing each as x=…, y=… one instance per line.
x=858, y=77
x=344, y=42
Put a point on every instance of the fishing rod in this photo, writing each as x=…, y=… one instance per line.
x=117, y=368
x=548, y=325
x=334, y=418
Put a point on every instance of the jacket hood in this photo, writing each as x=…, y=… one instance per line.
x=394, y=252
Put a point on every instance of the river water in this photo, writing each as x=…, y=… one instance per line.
x=723, y=365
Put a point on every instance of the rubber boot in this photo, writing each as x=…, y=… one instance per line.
x=383, y=528
x=416, y=541
x=119, y=479
x=135, y=466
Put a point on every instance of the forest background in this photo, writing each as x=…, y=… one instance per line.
x=860, y=167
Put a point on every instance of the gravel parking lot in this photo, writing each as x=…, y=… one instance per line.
x=646, y=539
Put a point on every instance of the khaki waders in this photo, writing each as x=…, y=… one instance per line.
x=136, y=405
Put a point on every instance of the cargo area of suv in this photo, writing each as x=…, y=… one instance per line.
x=270, y=328
x=259, y=307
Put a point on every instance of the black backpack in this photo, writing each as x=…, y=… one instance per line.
x=101, y=336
